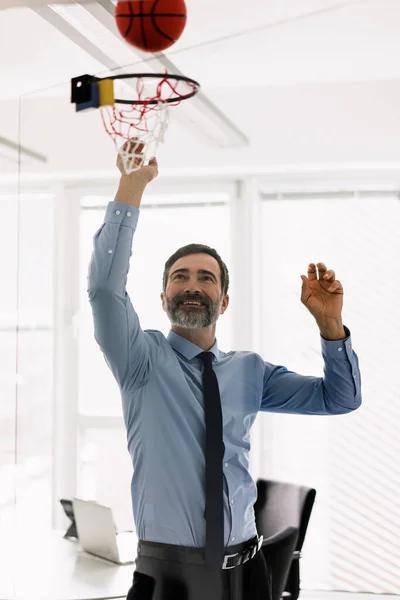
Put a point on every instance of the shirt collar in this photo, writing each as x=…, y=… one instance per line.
x=186, y=348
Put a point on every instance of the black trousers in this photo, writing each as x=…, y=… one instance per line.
x=165, y=579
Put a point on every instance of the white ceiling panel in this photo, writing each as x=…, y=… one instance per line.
x=267, y=43
x=229, y=43
x=247, y=57
x=33, y=55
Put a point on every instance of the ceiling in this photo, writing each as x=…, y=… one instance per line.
x=279, y=42
x=319, y=80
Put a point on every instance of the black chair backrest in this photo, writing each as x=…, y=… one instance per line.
x=279, y=505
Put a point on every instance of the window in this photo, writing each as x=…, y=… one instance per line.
x=26, y=354
x=353, y=459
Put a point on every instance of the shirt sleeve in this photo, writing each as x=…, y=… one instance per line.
x=338, y=392
x=116, y=325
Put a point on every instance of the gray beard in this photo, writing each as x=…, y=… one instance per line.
x=192, y=318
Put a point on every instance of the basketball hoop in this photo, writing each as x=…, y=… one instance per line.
x=139, y=111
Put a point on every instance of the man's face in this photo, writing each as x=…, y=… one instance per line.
x=193, y=298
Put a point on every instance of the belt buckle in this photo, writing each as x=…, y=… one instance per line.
x=256, y=548
x=259, y=543
x=254, y=551
x=226, y=558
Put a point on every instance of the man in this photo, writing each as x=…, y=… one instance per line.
x=188, y=409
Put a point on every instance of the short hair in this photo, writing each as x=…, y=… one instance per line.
x=196, y=249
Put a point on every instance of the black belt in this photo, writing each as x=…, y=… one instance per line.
x=186, y=554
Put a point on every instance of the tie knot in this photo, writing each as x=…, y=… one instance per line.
x=206, y=357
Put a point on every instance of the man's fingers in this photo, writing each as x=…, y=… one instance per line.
x=134, y=145
x=139, y=160
x=319, y=270
x=131, y=158
x=154, y=164
x=311, y=272
x=323, y=272
x=336, y=287
x=330, y=275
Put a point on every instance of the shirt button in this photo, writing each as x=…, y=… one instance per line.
x=117, y=212
x=128, y=214
x=226, y=465
x=340, y=349
x=232, y=502
x=110, y=252
x=233, y=538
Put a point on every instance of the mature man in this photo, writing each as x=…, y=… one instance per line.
x=188, y=408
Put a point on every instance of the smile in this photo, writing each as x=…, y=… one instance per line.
x=196, y=304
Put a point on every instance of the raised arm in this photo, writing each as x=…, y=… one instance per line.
x=116, y=325
x=339, y=391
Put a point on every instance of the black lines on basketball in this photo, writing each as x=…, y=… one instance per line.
x=142, y=28
x=130, y=20
x=153, y=20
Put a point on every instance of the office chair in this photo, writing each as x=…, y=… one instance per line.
x=282, y=513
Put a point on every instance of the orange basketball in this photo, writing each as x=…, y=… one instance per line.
x=151, y=25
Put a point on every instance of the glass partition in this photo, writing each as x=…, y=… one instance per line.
x=62, y=427
x=25, y=322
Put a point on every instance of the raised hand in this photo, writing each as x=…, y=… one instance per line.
x=321, y=293
x=145, y=173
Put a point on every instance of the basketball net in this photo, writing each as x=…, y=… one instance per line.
x=146, y=121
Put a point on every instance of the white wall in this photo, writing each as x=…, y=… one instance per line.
x=8, y=129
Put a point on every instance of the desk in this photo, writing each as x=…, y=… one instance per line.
x=50, y=567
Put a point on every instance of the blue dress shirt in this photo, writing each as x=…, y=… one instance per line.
x=160, y=380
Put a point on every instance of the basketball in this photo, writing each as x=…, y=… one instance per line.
x=151, y=25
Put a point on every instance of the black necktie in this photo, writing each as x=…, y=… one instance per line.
x=214, y=454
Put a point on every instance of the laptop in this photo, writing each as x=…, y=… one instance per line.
x=97, y=533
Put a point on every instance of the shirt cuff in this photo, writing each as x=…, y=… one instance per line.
x=122, y=214
x=338, y=349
